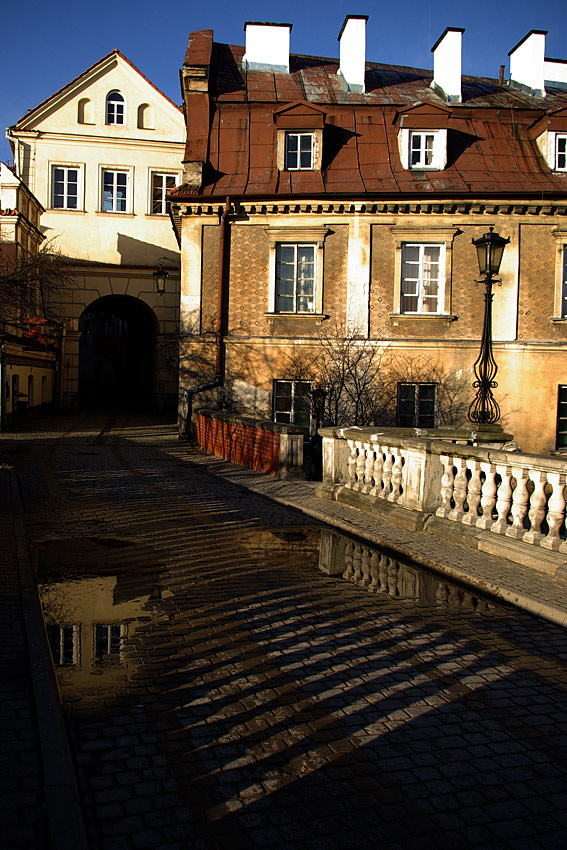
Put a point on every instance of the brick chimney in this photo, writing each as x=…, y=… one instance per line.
x=527, y=61
x=267, y=46
x=352, y=41
x=447, y=64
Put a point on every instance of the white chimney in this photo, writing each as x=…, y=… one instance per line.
x=352, y=40
x=527, y=60
x=447, y=63
x=267, y=46
x=555, y=73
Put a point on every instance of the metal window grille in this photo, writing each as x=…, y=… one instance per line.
x=416, y=405
x=292, y=402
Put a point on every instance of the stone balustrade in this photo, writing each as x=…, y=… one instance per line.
x=485, y=489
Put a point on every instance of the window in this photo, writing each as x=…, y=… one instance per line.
x=564, y=283
x=416, y=405
x=64, y=643
x=299, y=151
x=292, y=402
x=161, y=184
x=421, y=150
x=108, y=642
x=422, y=278
x=114, y=108
x=65, y=188
x=295, y=278
x=561, y=152
x=145, y=117
x=115, y=191
x=561, y=434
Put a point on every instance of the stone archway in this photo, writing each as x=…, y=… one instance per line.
x=117, y=353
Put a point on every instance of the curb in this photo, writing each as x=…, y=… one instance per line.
x=63, y=804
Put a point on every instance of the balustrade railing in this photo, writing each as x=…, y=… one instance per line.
x=518, y=496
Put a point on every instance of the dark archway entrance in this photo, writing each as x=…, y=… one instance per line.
x=117, y=353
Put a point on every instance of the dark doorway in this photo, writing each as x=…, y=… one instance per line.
x=116, y=353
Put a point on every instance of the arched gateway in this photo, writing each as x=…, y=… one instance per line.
x=117, y=353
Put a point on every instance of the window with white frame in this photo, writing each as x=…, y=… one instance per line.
x=65, y=187
x=561, y=152
x=295, y=278
x=416, y=405
x=564, y=282
x=292, y=402
x=421, y=149
x=299, y=151
x=115, y=108
x=423, y=272
x=160, y=185
x=64, y=643
x=115, y=191
x=108, y=642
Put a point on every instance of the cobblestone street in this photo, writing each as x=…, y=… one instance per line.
x=248, y=700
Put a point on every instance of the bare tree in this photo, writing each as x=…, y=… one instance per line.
x=29, y=279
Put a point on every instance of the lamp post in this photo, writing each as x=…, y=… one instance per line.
x=484, y=409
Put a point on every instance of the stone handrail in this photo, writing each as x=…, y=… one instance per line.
x=518, y=496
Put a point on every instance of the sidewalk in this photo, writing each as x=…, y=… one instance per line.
x=534, y=591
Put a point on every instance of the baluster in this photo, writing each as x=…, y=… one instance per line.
x=365, y=567
x=349, y=570
x=377, y=471
x=488, y=498
x=538, y=504
x=503, y=501
x=360, y=466
x=520, y=499
x=473, y=494
x=351, y=465
x=387, y=473
x=555, y=510
x=368, y=470
x=447, y=485
x=357, y=563
x=383, y=573
x=459, y=489
x=396, y=475
x=393, y=570
x=374, y=579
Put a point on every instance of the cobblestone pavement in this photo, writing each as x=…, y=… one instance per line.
x=255, y=702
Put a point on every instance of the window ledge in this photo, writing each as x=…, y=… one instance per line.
x=438, y=318
x=61, y=210
x=317, y=318
x=559, y=319
x=117, y=214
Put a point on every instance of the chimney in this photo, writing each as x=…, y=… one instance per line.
x=267, y=46
x=352, y=40
x=527, y=63
x=555, y=73
x=447, y=52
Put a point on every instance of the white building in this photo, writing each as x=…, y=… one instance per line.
x=100, y=154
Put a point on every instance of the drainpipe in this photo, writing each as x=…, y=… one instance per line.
x=186, y=424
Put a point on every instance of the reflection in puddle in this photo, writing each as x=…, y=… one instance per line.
x=92, y=620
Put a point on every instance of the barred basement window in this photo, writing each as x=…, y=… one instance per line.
x=561, y=432
x=292, y=402
x=416, y=405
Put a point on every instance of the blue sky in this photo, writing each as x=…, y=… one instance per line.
x=49, y=44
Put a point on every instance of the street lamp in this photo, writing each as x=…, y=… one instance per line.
x=484, y=409
x=160, y=277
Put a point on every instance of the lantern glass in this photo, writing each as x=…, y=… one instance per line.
x=160, y=277
x=489, y=251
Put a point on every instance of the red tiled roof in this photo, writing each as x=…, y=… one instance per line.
x=490, y=150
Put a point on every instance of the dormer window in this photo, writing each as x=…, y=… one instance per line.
x=299, y=151
x=421, y=149
x=115, y=108
x=561, y=152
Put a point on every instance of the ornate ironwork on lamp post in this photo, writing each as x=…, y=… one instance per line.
x=484, y=409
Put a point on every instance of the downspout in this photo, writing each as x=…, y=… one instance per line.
x=186, y=424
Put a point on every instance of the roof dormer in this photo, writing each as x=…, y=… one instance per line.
x=422, y=137
x=299, y=134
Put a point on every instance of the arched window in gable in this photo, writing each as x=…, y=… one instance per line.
x=115, y=108
x=85, y=114
x=145, y=117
